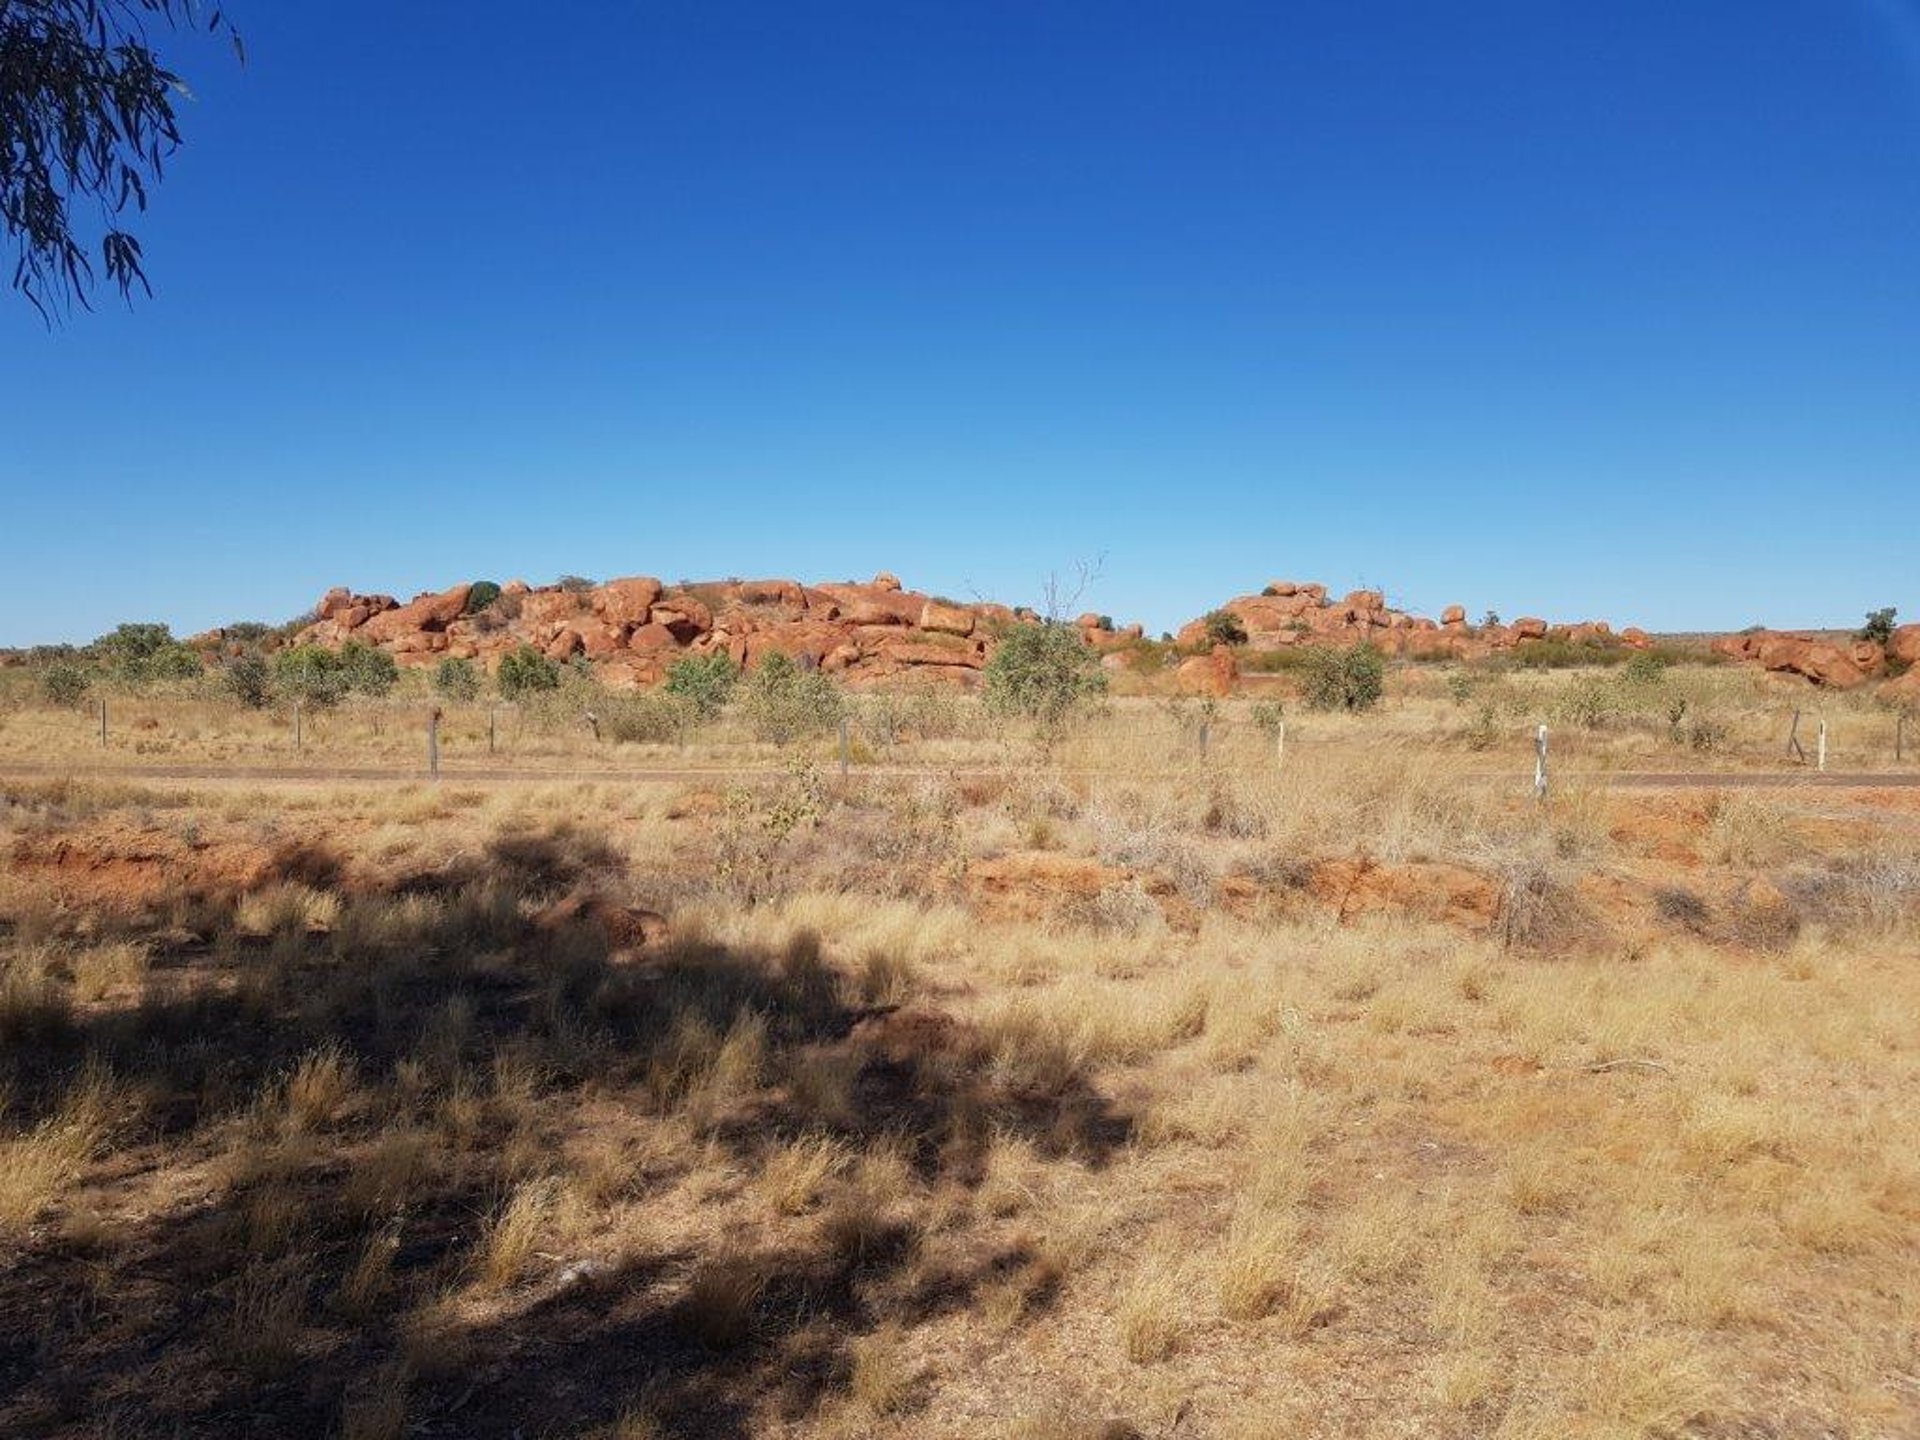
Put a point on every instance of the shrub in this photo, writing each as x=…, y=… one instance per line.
x=457, y=680
x=704, y=681
x=251, y=680
x=782, y=702
x=575, y=583
x=146, y=651
x=1268, y=717
x=1224, y=628
x=65, y=683
x=482, y=594
x=369, y=670
x=311, y=673
x=1344, y=679
x=1879, y=626
x=642, y=719
x=526, y=670
x=1646, y=669
x=1043, y=671
x=248, y=632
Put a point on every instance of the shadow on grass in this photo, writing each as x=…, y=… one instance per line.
x=206, y=1278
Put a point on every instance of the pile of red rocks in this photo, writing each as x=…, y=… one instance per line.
x=1836, y=664
x=1287, y=614
x=633, y=629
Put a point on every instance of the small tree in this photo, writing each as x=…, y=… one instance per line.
x=526, y=670
x=704, y=681
x=1879, y=626
x=368, y=669
x=311, y=673
x=482, y=594
x=1351, y=679
x=783, y=702
x=146, y=651
x=65, y=683
x=1043, y=671
x=457, y=680
x=251, y=680
x=1224, y=628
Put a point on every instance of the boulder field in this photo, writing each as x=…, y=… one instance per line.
x=633, y=629
x=1836, y=664
x=1288, y=613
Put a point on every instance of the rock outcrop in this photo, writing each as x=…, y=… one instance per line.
x=632, y=629
x=1290, y=613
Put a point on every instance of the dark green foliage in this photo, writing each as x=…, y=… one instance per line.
x=1336, y=679
x=526, y=670
x=458, y=681
x=65, y=682
x=705, y=681
x=86, y=116
x=250, y=679
x=1224, y=628
x=575, y=583
x=782, y=702
x=1646, y=667
x=1043, y=671
x=248, y=632
x=481, y=595
x=369, y=670
x=1879, y=626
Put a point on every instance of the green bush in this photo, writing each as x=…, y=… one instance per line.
x=782, y=702
x=1879, y=626
x=369, y=670
x=65, y=683
x=144, y=652
x=1268, y=717
x=311, y=673
x=1224, y=628
x=250, y=679
x=1045, y=672
x=1351, y=679
x=525, y=671
x=457, y=680
x=704, y=681
x=482, y=594
x=1647, y=668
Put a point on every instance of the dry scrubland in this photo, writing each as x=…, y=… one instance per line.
x=1686, y=717
x=1123, y=1092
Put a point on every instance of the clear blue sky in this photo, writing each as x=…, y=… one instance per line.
x=1542, y=305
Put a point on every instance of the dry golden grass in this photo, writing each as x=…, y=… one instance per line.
x=1212, y=1145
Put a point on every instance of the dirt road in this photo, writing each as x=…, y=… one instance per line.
x=684, y=775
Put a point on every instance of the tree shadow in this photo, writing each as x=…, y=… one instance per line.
x=205, y=1279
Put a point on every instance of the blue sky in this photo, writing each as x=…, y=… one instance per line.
x=1571, y=308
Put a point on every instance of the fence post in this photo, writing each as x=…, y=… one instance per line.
x=1794, y=747
x=1280, y=746
x=845, y=748
x=296, y=727
x=433, y=742
x=490, y=714
x=1899, y=736
x=1206, y=730
x=103, y=720
x=1823, y=743
x=1540, y=763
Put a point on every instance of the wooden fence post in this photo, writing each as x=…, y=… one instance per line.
x=490, y=728
x=1540, y=763
x=1280, y=746
x=433, y=742
x=103, y=720
x=296, y=727
x=845, y=748
x=1795, y=750
x=1823, y=743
